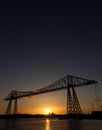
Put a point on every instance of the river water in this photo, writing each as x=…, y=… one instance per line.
x=46, y=124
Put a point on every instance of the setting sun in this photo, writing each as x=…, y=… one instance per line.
x=47, y=111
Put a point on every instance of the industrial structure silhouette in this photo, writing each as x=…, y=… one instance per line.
x=68, y=82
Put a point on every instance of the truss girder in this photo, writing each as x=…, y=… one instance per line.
x=64, y=83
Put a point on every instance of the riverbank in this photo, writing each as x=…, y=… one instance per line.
x=52, y=116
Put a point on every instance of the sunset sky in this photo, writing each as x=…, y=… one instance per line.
x=42, y=42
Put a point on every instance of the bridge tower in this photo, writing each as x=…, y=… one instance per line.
x=9, y=107
x=15, y=111
x=73, y=105
x=8, y=110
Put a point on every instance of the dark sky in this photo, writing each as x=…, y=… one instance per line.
x=42, y=42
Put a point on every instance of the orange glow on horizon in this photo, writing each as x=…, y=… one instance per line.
x=44, y=110
x=47, y=111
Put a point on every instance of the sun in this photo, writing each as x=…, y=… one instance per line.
x=47, y=111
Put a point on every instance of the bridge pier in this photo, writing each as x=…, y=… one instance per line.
x=76, y=104
x=9, y=107
x=15, y=111
x=73, y=105
x=8, y=110
x=69, y=102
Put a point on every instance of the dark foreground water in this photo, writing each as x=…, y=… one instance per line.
x=45, y=124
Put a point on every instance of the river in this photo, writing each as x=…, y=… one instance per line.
x=46, y=124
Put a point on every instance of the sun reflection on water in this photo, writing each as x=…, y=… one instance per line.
x=47, y=124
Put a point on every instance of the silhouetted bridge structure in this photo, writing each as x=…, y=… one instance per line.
x=68, y=82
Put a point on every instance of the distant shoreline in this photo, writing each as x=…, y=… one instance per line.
x=54, y=116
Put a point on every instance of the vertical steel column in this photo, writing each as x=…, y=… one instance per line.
x=15, y=111
x=8, y=110
x=76, y=104
x=69, y=102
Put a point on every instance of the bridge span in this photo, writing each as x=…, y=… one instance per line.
x=68, y=82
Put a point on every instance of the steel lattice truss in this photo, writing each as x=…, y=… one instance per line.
x=68, y=81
